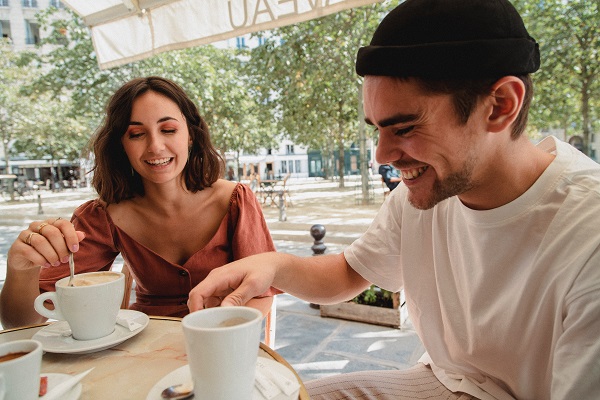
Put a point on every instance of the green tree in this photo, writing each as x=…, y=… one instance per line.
x=15, y=108
x=308, y=81
x=213, y=78
x=52, y=132
x=567, y=85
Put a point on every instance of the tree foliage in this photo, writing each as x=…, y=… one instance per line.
x=213, y=78
x=306, y=78
x=301, y=83
x=567, y=86
x=14, y=108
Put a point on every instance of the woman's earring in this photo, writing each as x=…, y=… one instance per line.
x=132, y=172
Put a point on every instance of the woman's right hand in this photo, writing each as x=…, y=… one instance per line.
x=45, y=243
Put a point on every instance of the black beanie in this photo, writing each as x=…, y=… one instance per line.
x=450, y=39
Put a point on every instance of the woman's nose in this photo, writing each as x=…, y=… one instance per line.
x=155, y=144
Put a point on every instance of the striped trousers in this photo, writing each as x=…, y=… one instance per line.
x=417, y=382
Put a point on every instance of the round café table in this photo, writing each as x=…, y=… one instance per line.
x=130, y=369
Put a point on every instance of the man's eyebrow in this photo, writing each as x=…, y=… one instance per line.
x=395, y=119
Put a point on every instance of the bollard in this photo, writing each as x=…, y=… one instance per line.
x=317, y=231
x=282, y=214
x=40, y=210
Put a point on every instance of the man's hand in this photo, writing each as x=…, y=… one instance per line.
x=236, y=283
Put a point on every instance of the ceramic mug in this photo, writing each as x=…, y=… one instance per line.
x=20, y=364
x=90, y=307
x=222, y=347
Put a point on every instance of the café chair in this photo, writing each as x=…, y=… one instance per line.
x=282, y=186
x=128, y=286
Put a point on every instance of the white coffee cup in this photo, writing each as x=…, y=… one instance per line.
x=91, y=309
x=222, y=347
x=20, y=376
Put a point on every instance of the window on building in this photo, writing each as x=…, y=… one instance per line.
x=240, y=42
x=284, y=167
x=29, y=3
x=289, y=149
x=291, y=166
x=5, y=29
x=3, y=3
x=32, y=32
x=56, y=3
x=298, y=166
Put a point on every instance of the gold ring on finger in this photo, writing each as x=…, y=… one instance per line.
x=28, y=240
x=42, y=226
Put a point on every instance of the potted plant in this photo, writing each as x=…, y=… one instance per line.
x=373, y=306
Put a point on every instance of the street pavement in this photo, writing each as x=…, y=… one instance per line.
x=313, y=345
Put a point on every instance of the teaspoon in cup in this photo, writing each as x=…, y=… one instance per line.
x=178, y=392
x=71, y=269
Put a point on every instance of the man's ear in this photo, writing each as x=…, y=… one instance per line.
x=506, y=101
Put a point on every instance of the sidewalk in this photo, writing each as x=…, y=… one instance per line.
x=313, y=345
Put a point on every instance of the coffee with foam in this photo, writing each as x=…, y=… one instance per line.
x=95, y=279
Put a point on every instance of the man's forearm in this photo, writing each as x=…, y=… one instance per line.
x=322, y=279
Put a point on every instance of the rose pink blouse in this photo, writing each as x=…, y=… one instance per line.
x=162, y=287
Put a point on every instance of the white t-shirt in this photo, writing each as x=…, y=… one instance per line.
x=506, y=301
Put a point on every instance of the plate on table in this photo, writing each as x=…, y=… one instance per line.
x=56, y=337
x=55, y=379
x=183, y=375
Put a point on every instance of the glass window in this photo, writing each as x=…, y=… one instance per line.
x=5, y=29
x=29, y=3
x=32, y=32
x=298, y=166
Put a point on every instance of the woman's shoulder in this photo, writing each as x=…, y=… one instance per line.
x=231, y=192
x=90, y=207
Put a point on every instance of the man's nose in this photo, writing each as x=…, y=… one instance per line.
x=388, y=150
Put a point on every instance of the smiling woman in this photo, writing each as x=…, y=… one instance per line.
x=161, y=205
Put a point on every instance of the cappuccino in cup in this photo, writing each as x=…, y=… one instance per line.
x=232, y=322
x=90, y=307
x=94, y=279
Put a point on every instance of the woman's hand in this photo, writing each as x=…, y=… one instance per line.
x=45, y=243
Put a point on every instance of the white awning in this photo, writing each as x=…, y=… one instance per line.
x=124, y=31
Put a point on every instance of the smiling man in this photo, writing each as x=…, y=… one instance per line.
x=494, y=239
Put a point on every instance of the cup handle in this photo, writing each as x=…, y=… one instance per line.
x=43, y=311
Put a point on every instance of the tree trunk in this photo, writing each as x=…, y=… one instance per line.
x=585, y=112
x=342, y=162
x=364, y=162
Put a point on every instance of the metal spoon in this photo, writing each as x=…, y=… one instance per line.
x=71, y=269
x=178, y=392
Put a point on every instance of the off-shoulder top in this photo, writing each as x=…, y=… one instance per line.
x=162, y=287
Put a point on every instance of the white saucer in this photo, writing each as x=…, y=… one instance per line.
x=56, y=338
x=55, y=379
x=182, y=375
